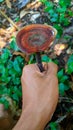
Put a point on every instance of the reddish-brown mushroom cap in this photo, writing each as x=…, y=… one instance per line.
x=35, y=38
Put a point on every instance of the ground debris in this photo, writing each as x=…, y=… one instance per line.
x=58, y=48
x=8, y=3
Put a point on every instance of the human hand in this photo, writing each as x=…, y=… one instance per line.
x=40, y=91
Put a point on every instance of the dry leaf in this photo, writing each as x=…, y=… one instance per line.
x=19, y=53
x=2, y=44
x=33, y=5
x=37, y=5
x=8, y=3
x=11, y=29
x=59, y=48
x=23, y=13
x=3, y=31
x=22, y=54
x=69, y=50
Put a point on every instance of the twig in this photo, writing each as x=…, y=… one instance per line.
x=10, y=20
x=60, y=119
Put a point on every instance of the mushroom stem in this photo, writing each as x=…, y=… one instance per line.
x=39, y=61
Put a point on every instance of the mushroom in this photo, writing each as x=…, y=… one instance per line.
x=36, y=38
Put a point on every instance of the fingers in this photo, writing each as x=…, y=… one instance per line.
x=30, y=68
x=52, y=68
x=49, y=68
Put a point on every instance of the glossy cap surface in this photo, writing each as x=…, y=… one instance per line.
x=35, y=38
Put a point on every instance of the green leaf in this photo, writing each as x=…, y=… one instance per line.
x=15, y=97
x=16, y=66
x=5, y=102
x=60, y=74
x=64, y=78
x=70, y=68
x=45, y=58
x=64, y=2
x=54, y=19
x=1, y=1
x=66, y=22
x=63, y=88
x=5, y=55
x=16, y=81
x=62, y=18
x=17, y=19
x=56, y=61
x=59, y=29
x=5, y=79
x=2, y=70
x=70, y=65
x=12, y=72
x=70, y=13
x=61, y=9
x=43, y=1
x=20, y=61
x=53, y=126
x=51, y=12
x=49, y=6
x=17, y=90
x=31, y=59
x=13, y=44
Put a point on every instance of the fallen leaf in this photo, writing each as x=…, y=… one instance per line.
x=33, y=5
x=23, y=13
x=69, y=50
x=26, y=57
x=2, y=44
x=19, y=53
x=37, y=5
x=11, y=29
x=23, y=3
x=59, y=48
x=8, y=3
x=35, y=16
x=3, y=32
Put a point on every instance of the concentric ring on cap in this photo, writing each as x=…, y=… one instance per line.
x=35, y=38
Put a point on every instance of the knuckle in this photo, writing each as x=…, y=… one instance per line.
x=25, y=67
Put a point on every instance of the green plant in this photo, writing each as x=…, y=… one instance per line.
x=54, y=126
x=1, y=1
x=17, y=19
x=59, y=13
x=70, y=65
x=10, y=74
x=63, y=82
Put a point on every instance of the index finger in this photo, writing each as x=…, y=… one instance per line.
x=52, y=68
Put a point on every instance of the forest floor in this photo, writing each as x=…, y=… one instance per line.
x=12, y=19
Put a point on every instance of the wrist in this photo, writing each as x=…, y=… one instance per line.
x=30, y=119
x=34, y=117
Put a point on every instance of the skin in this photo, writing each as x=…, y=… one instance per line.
x=40, y=96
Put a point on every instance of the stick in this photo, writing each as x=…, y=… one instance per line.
x=10, y=20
